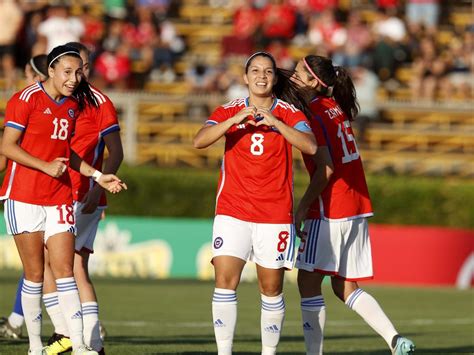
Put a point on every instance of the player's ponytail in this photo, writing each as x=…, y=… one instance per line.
x=334, y=82
x=284, y=89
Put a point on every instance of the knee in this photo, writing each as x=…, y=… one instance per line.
x=271, y=290
x=227, y=282
x=62, y=271
x=34, y=275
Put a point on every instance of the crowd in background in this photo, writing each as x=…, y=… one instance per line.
x=136, y=42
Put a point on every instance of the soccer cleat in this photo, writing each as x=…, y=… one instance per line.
x=7, y=331
x=403, y=346
x=58, y=344
x=102, y=331
x=84, y=350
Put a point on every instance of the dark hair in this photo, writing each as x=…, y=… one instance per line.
x=79, y=47
x=83, y=93
x=284, y=89
x=338, y=81
x=39, y=64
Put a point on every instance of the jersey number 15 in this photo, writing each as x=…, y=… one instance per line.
x=347, y=140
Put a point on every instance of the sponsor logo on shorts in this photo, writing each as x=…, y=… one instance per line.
x=218, y=242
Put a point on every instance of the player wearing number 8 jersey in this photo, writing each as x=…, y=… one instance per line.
x=335, y=239
x=254, y=198
x=39, y=123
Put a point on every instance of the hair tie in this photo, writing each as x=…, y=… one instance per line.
x=313, y=74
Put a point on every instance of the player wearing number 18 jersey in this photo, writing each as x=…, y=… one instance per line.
x=254, y=198
x=335, y=240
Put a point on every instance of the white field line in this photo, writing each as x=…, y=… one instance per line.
x=342, y=323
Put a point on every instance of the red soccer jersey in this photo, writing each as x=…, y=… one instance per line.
x=256, y=180
x=92, y=125
x=47, y=127
x=346, y=196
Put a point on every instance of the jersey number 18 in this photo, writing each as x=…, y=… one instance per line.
x=60, y=129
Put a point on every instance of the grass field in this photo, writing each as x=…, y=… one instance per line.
x=173, y=317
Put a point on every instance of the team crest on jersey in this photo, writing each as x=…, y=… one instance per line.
x=218, y=242
x=71, y=113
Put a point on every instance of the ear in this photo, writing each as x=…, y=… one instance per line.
x=51, y=72
x=246, y=80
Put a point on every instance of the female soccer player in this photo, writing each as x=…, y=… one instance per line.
x=96, y=128
x=254, y=200
x=335, y=239
x=39, y=123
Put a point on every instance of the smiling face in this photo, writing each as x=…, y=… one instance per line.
x=302, y=77
x=260, y=76
x=66, y=75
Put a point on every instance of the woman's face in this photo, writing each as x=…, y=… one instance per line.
x=260, y=76
x=85, y=64
x=301, y=77
x=66, y=75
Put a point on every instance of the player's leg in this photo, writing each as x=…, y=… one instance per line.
x=11, y=327
x=273, y=251
x=356, y=264
x=231, y=248
x=313, y=310
x=316, y=252
x=86, y=226
x=59, y=238
x=26, y=223
x=59, y=341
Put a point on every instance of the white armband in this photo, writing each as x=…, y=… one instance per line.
x=96, y=175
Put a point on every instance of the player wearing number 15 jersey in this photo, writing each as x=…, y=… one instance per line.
x=335, y=239
x=254, y=199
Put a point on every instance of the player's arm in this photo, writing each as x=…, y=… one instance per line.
x=3, y=162
x=303, y=141
x=211, y=133
x=13, y=151
x=111, y=165
x=109, y=182
x=319, y=180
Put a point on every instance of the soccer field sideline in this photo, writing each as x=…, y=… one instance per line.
x=174, y=317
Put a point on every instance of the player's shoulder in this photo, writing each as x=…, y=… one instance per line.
x=28, y=94
x=286, y=106
x=234, y=104
x=100, y=97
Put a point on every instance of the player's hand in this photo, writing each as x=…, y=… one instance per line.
x=91, y=200
x=111, y=183
x=56, y=168
x=265, y=117
x=245, y=116
x=300, y=216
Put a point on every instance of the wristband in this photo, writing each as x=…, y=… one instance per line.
x=96, y=175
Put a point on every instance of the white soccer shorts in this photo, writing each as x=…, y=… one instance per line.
x=340, y=249
x=23, y=217
x=86, y=226
x=269, y=245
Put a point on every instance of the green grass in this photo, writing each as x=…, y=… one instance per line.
x=173, y=317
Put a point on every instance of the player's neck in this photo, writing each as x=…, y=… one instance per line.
x=51, y=90
x=263, y=102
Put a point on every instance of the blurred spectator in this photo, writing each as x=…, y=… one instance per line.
x=58, y=28
x=422, y=13
x=115, y=8
x=389, y=32
x=158, y=7
x=94, y=30
x=113, y=68
x=201, y=77
x=459, y=80
x=11, y=18
x=326, y=33
x=366, y=84
x=387, y=4
x=354, y=52
x=246, y=23
x=428, y=70
x=279, y=21
x=281, y=53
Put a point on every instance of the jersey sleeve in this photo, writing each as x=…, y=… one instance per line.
x=108, y=121
x=17, y=113
x=219, y=115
